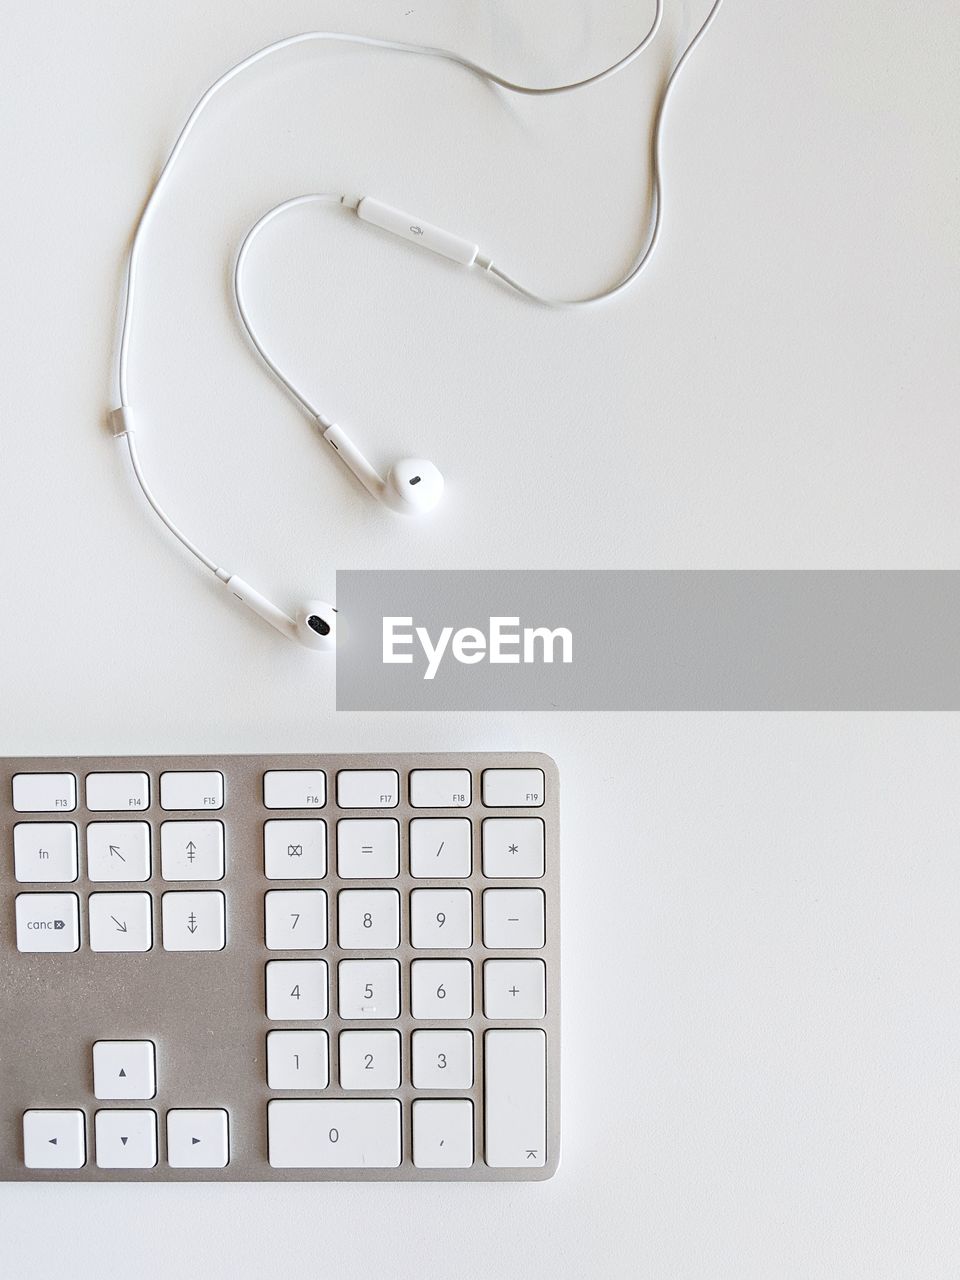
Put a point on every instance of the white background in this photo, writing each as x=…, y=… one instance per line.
x=762, y=951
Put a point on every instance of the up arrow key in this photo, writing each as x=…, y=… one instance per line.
x=122, y=1074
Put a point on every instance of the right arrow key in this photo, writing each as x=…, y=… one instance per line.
x=198, y=1138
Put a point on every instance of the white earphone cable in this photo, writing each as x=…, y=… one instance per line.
x=133, y=259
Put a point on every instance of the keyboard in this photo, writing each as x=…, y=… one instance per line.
x=260, y=968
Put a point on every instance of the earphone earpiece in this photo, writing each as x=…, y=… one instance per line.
x=412, y=486
x=315, y=625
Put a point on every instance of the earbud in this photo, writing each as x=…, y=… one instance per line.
x=412, y=486
x=314, y=626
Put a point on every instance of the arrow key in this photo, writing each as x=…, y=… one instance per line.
x=124, y=1069
x=126, y=1139
x=197, y=1139
x=120, y=922
x=118, y=851
x=54, y=1140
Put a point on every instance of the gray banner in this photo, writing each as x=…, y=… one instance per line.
x=648, y=641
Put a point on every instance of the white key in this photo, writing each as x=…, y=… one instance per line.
x=368, y=789
x=126, y=1139
x=513, y=918
x=117, y=791
x=295, y=849
x=512, y=788
x=294, y=789
x=296, y=919
x=369, y=1060
x=443, y=1133
x=44, y=792
x=513, y=848
x=369, y=919
x=118, y=851
x=198, y=1139
x=297, y=989
x=317, y=1133
x=124, y=1069
x=442, y=1059
x=368, y=989
x=297, y=1060
x=120, y=921
x=45, y=852
x=191, y=790
x=48, y=922
x=441, y=989
x=440, y=788
x=514, y=989
x=440, y=848
x=54, y=1140
x=368, y=848
x=515, y=1099
x=191, y=850
x=441, y=918
x=194, y=921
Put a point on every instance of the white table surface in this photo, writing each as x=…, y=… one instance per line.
x=761, y=948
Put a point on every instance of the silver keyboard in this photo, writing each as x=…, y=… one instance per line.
x=280, y=967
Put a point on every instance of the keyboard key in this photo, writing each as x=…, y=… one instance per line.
x=513, y=918
x=297, y=1060
x=513, y=848
x=317, y=1133
x=441, y=989
x=440, y=788
x=194, y=921
x=440, y=848
x=198, y=1139
x=118, y=851
x=443, y=1133
x=296, y=919
x=369, y=919
x=297, y=989
x=368, y=989
x=368, y=848
x=368, y=789
x=512, y=788
x=442, y=1059
x=514, y=1099
x=514, y=989
x=191, y=790
x=369, y=1060
x=44, y=792
x=191, y=850
x=54, y=1140
x=441, y=918
x=48, y=922
x=126, y=1139
x=124, y=1069
x=295, y=849
x=294, y=789
x=120, y=921
x=45, y=852
x=117, y=791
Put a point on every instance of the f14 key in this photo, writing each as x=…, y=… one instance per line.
x=280, y=967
